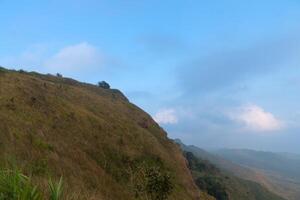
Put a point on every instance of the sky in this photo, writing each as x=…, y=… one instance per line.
x=216, y=74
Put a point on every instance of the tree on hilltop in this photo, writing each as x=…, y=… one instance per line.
x=103, y=85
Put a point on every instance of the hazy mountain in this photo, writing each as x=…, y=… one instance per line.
x=283, y=163
x=222, y=178
x=275, y=171
x=282, y=170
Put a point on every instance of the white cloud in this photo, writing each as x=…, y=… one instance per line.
x=166, y=116
x=75, y=58
x=82, y=59
x=255, y=118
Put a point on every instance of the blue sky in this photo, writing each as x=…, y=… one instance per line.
x=212, y=73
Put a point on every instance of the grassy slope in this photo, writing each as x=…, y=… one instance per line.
x=240, y=182
x=52, y=126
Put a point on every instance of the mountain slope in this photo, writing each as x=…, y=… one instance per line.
x=221, y=183
x=93, y=137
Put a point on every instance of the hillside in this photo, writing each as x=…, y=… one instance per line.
x=100, y=143
x=220, y=181
x=281, y=169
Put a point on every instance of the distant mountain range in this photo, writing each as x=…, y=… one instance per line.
x=278, y=172
x=285, y=164
x=281, y=171
x=233, y=181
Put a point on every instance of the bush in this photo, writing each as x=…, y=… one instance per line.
x=152, y=183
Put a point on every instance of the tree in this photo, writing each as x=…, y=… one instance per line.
x=59, y=75
x=103, y=85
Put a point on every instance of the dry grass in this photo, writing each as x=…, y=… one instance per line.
x=56, y=127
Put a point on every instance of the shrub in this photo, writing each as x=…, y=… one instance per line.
x=152, y=183
x=103, y=85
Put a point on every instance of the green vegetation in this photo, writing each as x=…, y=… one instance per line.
x=152, y=183
x=207, y=177
x=56, y=189
x=16, y=186
x=213, y=186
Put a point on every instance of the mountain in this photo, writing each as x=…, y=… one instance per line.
x=282, y=163
x=226, y=165
x=102, y=145
x=223, y=164
x=281, y=169
x=215, y=175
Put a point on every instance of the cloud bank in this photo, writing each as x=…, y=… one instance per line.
x=255, y=118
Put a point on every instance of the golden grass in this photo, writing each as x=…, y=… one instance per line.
x=58, y=127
